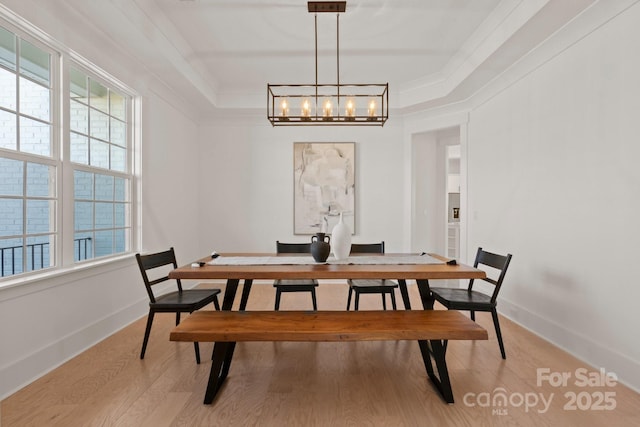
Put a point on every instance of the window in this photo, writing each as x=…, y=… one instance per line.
x=28, y=168
x=98, y=140
x=81, y=166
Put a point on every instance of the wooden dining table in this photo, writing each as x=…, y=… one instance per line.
x=401, y=272
x=265, y=267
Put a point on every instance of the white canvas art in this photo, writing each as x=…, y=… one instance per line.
x=324, y=186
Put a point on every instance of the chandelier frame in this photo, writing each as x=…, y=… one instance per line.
x=314, y=103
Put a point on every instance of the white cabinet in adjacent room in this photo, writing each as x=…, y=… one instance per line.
x=453, y=240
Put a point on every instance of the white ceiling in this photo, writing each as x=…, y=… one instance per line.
x=221, y=53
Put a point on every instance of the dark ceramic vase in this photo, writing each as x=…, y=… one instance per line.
x=320, y=247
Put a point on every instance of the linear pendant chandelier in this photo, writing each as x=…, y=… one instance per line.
x=328, y=104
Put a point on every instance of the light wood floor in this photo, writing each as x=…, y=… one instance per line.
x=314, y=384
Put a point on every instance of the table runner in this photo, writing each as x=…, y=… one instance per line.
x=308, y=259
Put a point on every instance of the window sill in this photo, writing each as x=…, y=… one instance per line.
x=37, y=282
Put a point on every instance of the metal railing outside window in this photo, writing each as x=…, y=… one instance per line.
x=37, y=253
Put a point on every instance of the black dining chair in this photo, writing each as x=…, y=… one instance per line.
x=370, y=286
x=295, y=285
x=468, y=299
x=180, y=301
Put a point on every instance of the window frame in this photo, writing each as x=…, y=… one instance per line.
x=79, y=64
x=51, y=160
x=63, y=225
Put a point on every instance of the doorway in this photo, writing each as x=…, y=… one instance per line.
x=437, y=205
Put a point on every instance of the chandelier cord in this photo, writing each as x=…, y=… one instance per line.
x=338, y=57
x=316, y=20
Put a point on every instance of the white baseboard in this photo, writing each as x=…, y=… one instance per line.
x=28, y=369
x=584, y=348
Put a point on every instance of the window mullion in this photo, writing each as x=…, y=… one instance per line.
x=66, y=220
x=24, y=217
x=18, y=118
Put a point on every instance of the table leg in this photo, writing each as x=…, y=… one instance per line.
x=230, y=294
x=246, y=289
x=437, y=350
x=402, y=284
x=425, y=294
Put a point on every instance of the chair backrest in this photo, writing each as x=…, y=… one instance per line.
x=499, y=262
x=367, y=248
x=152, y=261
x=293, y=248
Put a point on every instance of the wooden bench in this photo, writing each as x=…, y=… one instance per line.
x=431, y=328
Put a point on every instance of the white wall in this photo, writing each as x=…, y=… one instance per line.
x=171, y=185
x=45, y=322
x=553, y=179
x=247, y=169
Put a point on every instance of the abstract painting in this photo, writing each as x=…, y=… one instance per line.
x=324, y=186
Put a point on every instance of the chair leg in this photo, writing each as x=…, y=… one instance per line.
x=147, y=332
x=216, y=304
x=356, y=303
x=393, y=299
x=313, y=299
x=384, y=301
x=277, y=305
x=349, y=298
x=496, y=323
x=473, y=315
x=196, y=347
x=177, y=318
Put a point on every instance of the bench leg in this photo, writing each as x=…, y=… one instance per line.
x=223, y=351
x=441, y=380
x=221, y=361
